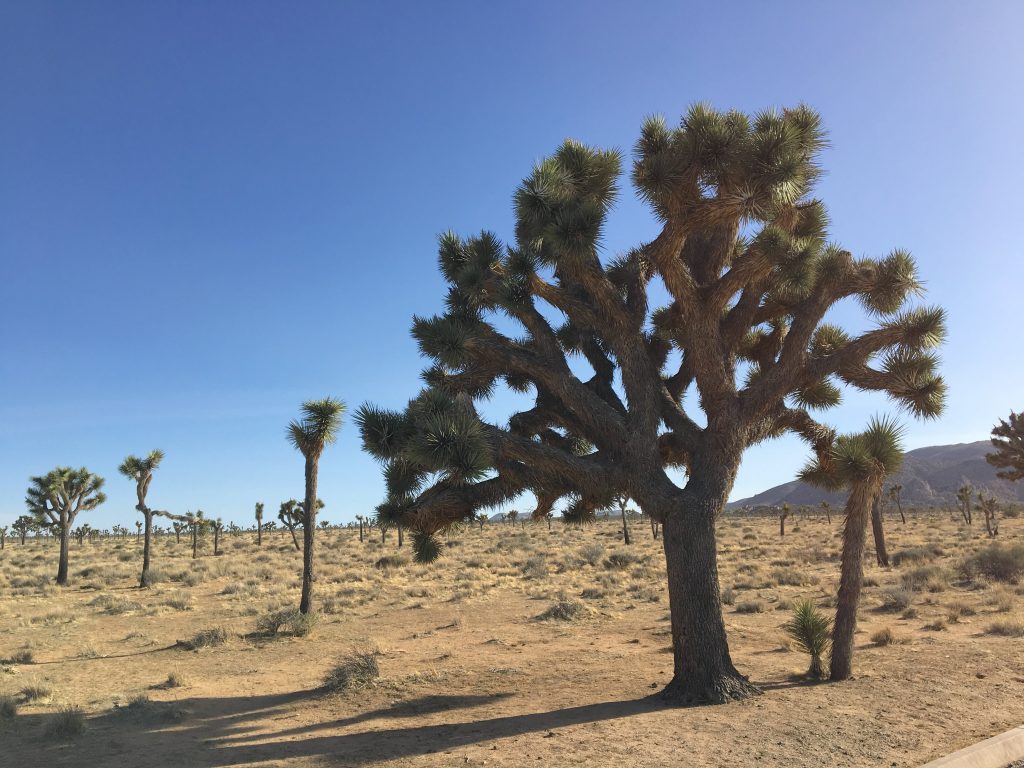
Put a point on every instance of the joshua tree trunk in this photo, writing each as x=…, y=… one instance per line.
x=216, y=541
x=703, y=668
x=878, y=529
x=259, y=533
x=782, y=526
x=62, y=564
x=308, y=529
x=625, y=527
x=851, y=579
x=295, y=541
x=360, y=529
x=195, y=540
x=144, y=579
x=654, y=529
x=399, y=535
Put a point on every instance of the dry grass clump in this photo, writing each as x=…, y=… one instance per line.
x=291, y=620
x=621, y=560
x=896, y=599
x=917, y=555
x=66, y=723
x=1001, y=599
x=1006, y=629
x=957, y=610
x=22, y=656
x=728, y=596
x=35, y=692
x=931, y=578
x=565, y=609
x=207, y=638
x=8, y=707
x=356, y=671
x=592, y=554
x=114, y=605
x=750, y=606
x=179, y=601
x=885, y=636
x=389, y=562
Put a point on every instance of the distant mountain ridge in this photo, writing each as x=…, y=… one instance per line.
x=929, y=476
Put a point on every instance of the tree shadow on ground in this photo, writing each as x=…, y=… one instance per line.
x=232, y=731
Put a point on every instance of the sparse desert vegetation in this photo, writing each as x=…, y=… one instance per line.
x=411, y=651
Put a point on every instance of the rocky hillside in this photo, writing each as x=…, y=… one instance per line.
x=929, y=476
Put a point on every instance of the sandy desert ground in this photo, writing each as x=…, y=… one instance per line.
x=468, y=672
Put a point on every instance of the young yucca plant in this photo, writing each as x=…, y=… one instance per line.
x=812, y=632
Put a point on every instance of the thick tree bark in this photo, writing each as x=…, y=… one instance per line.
x=62, y=563
x=703, y=668
x=308, y=529
x=195, y=540
x=878, y=530
x=144, y=579
x=851, y=579
x=259, y=532
x=400, y=539
x=625, y=529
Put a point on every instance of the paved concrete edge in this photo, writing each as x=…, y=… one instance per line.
x=997, y=752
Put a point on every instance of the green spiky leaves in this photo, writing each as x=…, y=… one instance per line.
x=811, y=630
x=317, y=426
x=426, y=547
x=872, y=454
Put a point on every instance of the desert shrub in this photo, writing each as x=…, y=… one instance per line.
x=66, y=723
x=358, y=670
x=749, y=536
x=565, y=609
x=791, y=577
x=783, y=604
x=179, y=601
x=22, y=656
x=621, y=560
x=36, y=692
x=193, y=578
x=812, y=633
x=910, y=613
x=996, y=562
x=592, y=554
x=535, y=567
x=897, y=599
x=750, y=606
x=916, y=555
x=207, y=638
x=1006, y=629
x=958, y=610
x=8, y=706
x=938, y=625
x=728, y=596
x=125, y=557
x=388, y=562
x=931, y=578
x=173, y=681
x=291, y=620
x=1001, y=600
x=592, y=593
x=884, y=636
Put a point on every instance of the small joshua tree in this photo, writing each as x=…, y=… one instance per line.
x=896, y=496
x=23, y=526
x=57, y=498
x=827, y=509
x=291, y=516
x=3, y=536
x=141, y=471
x=989, y=506
x=1008, y=441
x=217, y=526
x=860, y=463
x=811, y=631
x=360, y=519
x=964, y=498
x=621, y=500
x=259, y=523
x=317, y=428
x=197, y=525
x=783, y=514
x=179, y=528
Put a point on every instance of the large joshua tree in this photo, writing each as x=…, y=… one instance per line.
x=141, y=471
x=1008, y=442
x=317, y=428
x=56, y=499
x=859, y=463
x=725, y=303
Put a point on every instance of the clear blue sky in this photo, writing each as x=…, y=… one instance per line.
x=212, y=211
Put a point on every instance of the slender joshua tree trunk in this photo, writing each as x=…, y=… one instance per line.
x=144, y=579
x=62, y=563
x=851, y=579
x=309, y=528
x=878, y=529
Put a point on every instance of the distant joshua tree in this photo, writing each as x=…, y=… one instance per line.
x=197, y=526
x=360, y=520
x=783, y=514
x=1008, y=441
x=217, y=526
x=317, y=428
x=23, y=526
x=827, y=509
x=621, y=500
x=57, y=498
x=291, y=517
x=896, y=495
x=3, y=536
x=179, y=528
x=481, y=518
x=989, y=506
x=259, y=523
x=860, y=463
x=964, y=496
